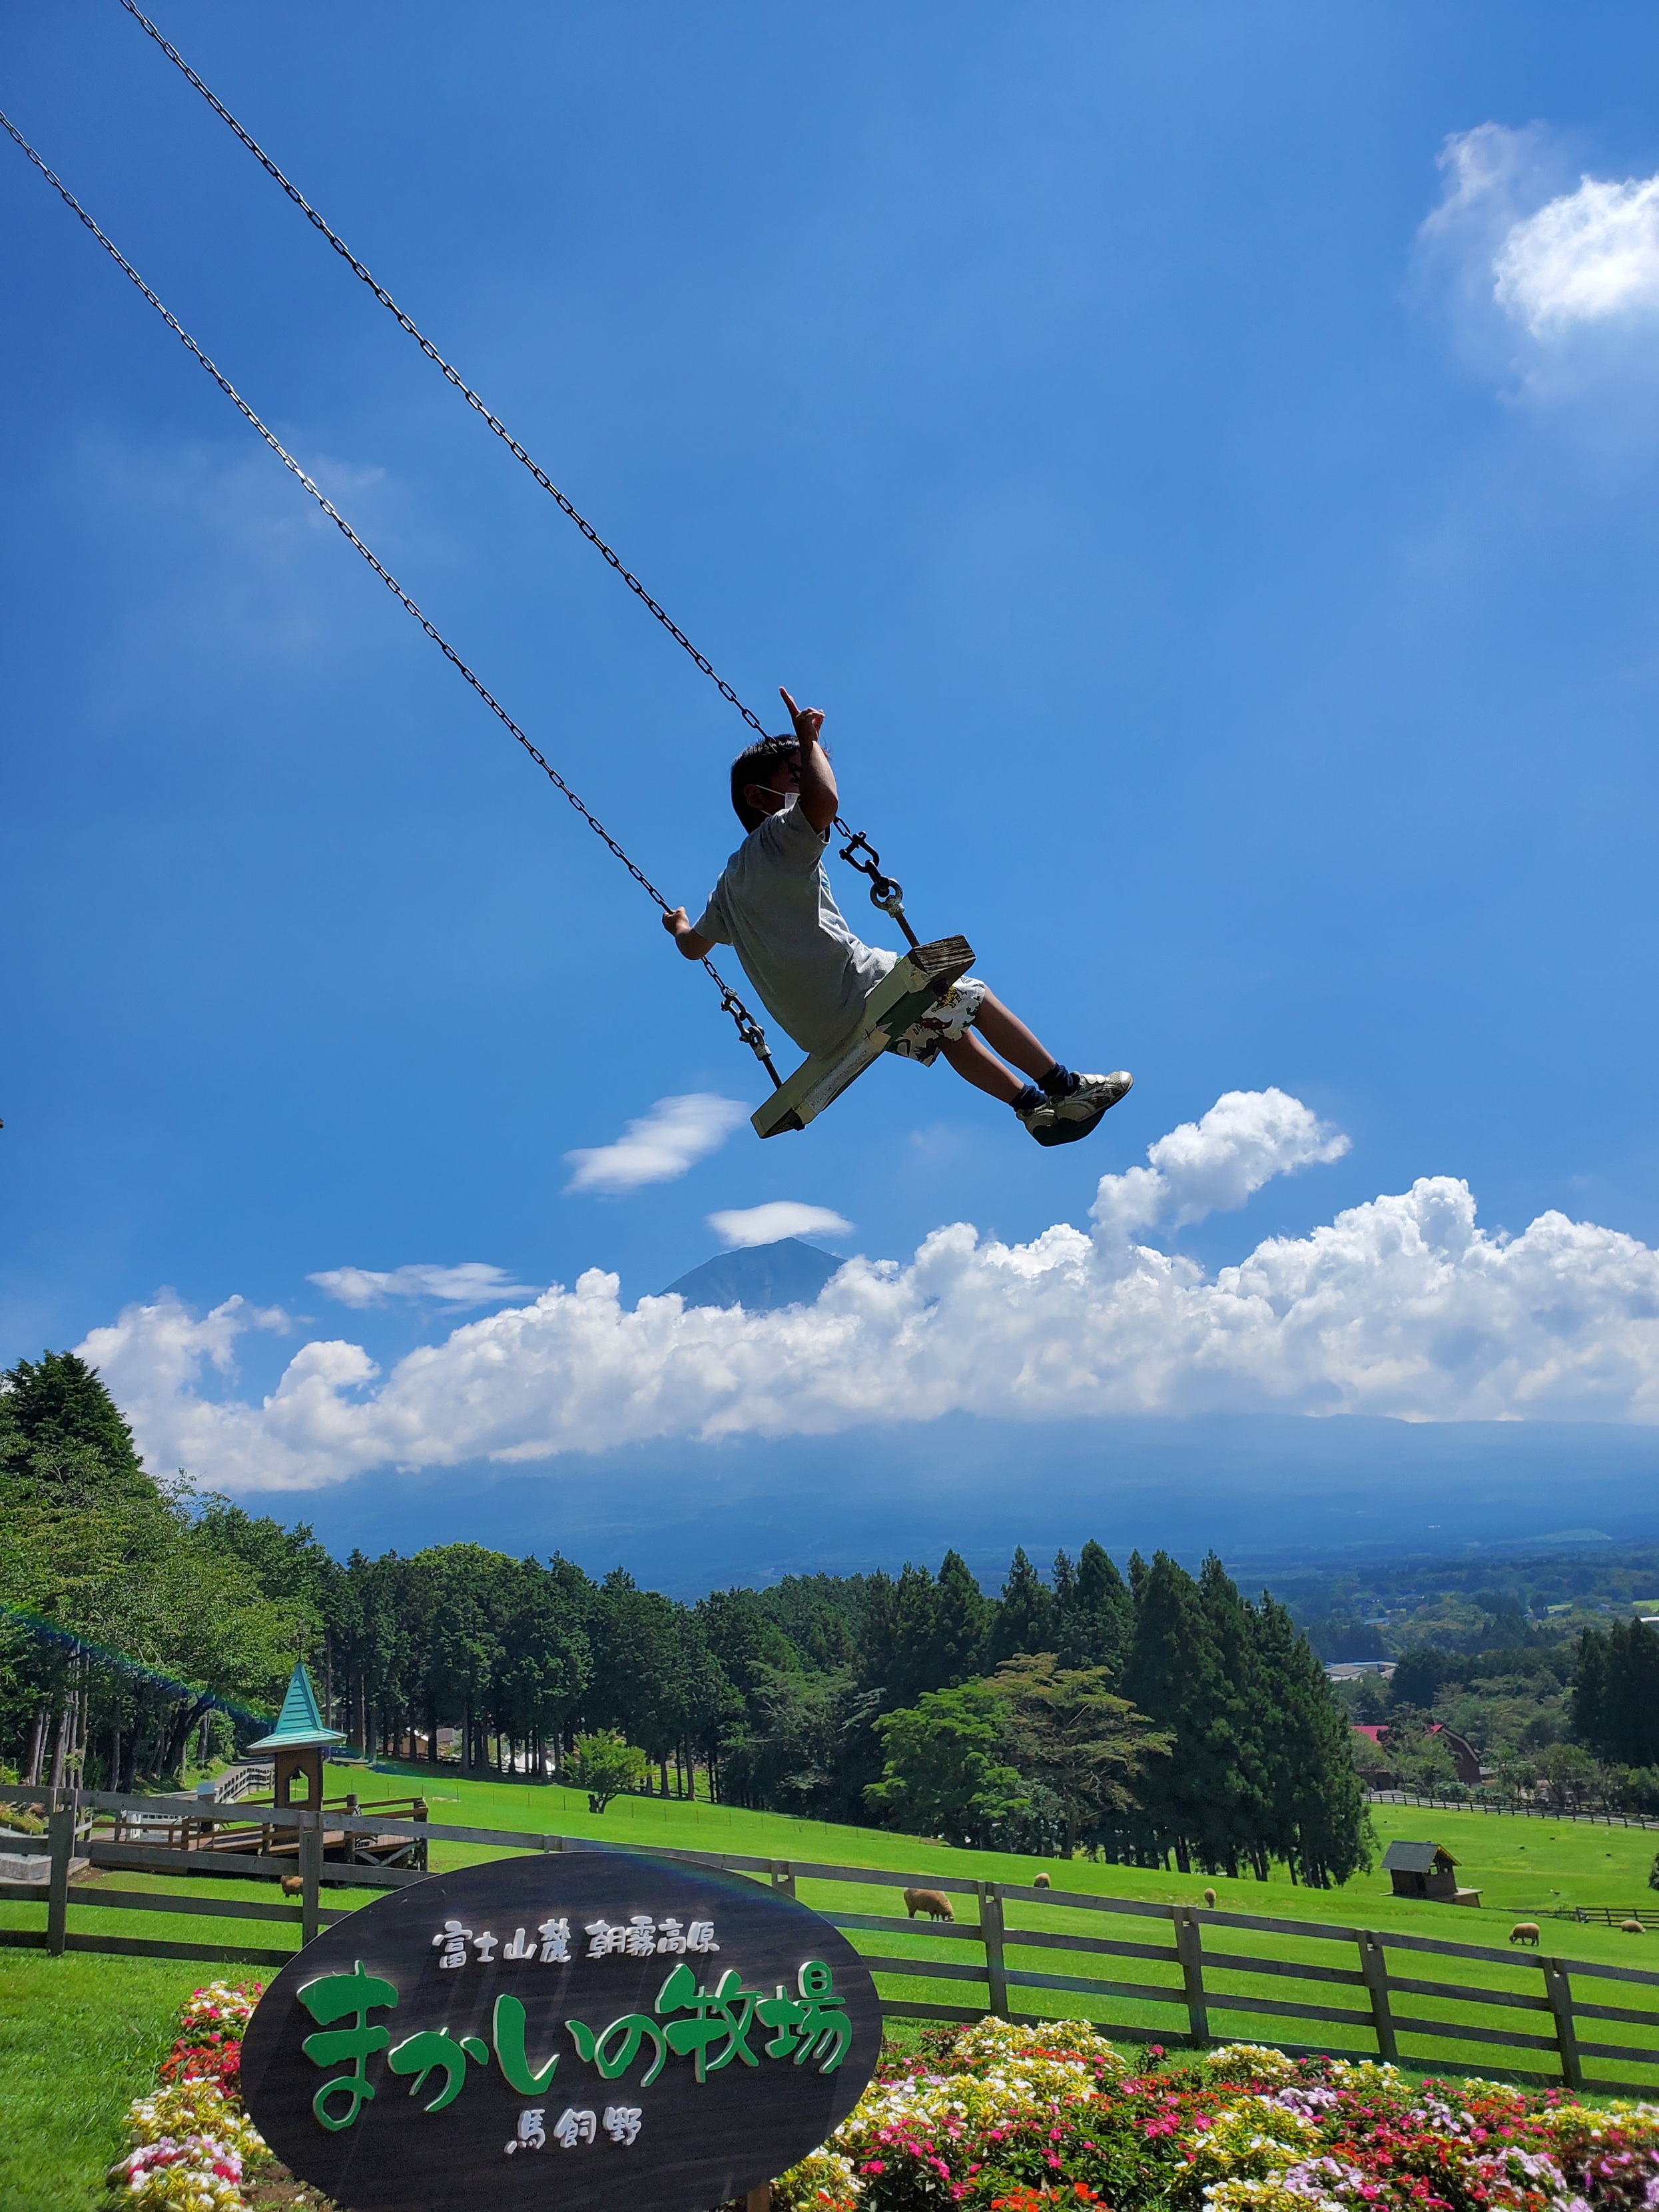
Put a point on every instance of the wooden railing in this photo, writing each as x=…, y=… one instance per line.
x=1183, y=1969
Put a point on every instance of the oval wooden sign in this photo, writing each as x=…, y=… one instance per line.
x=594, y=2030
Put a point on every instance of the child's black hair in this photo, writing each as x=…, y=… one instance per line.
x=754, y=765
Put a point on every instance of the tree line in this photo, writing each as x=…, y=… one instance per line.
x=1575, y=1719
x=1150, y=1716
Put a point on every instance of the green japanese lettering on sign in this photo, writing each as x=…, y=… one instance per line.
x=723, y=2016
x=812, y=2025
x=507, y=2027
x=420, y=2054
x=328, y=1998
x=718, y=2023
x=614, y=2049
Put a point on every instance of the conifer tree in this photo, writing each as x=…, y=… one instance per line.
x=1174, y=1676
x=917, y=1663
x=1239, y=1814
x=57, y=1421
x=1095, y=1628
x=1025, y=1614
x=1615, y=1693
x=1317, y=1820
x=964, y=1621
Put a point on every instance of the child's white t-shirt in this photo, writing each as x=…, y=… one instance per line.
x=774, y=906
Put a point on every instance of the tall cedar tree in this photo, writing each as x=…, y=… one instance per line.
x=1318, y=1822
x=1615, y=1693
x=965, y=1614
x=1174, y=1676
x=1239, y=1815
x=1096, y=1626
x=1025, y=1617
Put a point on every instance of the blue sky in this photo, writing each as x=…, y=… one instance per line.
x=1232, y=602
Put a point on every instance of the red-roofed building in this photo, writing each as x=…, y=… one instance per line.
x=1464, y=1756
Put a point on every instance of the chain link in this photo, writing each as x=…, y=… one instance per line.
x=748, y=1031
x=885, y=891
x=453, y=374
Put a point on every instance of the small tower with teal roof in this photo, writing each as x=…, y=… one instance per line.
x=297, y=1743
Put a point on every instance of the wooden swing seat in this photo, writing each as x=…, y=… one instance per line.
x=915, y=984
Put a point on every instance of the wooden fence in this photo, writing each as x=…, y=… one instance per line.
x=1599, y=1816
x=1184, y=1968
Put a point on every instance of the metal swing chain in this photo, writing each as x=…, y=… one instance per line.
x=453, y=375
x=884, y=892
x=748, y=1030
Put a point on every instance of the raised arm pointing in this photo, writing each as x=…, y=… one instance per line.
x=820, y=802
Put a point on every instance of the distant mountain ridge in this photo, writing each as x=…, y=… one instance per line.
x=763, y=1278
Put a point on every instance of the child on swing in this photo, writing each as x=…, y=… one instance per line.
x=774, y=906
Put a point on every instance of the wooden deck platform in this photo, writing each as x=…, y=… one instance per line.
x=246, y=1835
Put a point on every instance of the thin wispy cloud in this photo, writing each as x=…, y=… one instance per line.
x=472, y=1282
x=660, y=1145
x=740, y=1226
x=1403, y=1306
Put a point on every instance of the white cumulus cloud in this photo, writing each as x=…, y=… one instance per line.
x=1555, y=261
x=1401, y=1306
x=780, y=1217
x=660, y=1145
x=1588, y=255
x=1216, y=1164
x=472, y=1282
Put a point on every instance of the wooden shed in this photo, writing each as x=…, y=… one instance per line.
x=1425, y=1870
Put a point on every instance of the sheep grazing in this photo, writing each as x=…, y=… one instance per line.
x=928, y=1901
x=1632, y=1927
x=293, y=1885
x=1525, y=1931
x=1209, y=1898
x=1040, y=1881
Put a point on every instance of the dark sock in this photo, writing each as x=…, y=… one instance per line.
x=1032, y=1096
x=1058, y=1082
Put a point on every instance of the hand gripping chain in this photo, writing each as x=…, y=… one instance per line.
x=748, y=1030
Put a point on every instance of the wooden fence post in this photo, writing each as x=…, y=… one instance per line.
x=310, y=1868
x=991, y=1932
x=60, y=1842
x=783, y=1876
x=1189, y=1949
x=1558, y=1989
x=1374, y=1966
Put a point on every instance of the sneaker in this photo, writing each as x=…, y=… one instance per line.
x=1063, y=1121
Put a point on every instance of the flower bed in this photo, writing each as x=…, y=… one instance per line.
x=1055, y=2119
x=1045, y=2119
x=194, y=2148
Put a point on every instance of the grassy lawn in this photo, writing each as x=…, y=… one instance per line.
x=80, y=2035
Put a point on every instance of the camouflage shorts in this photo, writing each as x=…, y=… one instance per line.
x=947, y=1024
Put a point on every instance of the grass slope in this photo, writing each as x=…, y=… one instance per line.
x=80, y=2035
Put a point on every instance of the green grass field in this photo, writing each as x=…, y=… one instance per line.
x=80, y=2035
